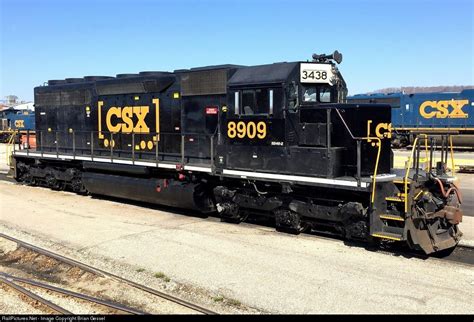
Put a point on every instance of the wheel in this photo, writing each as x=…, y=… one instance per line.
x=290, y=222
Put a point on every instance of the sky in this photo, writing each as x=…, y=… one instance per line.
x=384, y=43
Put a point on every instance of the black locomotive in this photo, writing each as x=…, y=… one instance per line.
x=274, y=140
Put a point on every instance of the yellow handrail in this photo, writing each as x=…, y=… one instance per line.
x=453, y=166
x=408, y=166
x=379, y=146
x=10, y=142
x=426, y=153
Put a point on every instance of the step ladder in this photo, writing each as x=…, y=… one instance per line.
x=393, y=218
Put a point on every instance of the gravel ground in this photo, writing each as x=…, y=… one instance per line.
x=20, y=262
x=233, y=268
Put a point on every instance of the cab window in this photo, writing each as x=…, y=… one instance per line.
x=319, y=94
x=261, y=101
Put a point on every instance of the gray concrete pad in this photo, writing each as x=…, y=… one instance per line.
x=467, y=228
x=261, y=268
x=466, y=184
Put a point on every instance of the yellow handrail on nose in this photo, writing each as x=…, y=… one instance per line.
x=408, y=166
x=374, y=179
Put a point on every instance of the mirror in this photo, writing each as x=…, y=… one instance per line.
x=293, y=96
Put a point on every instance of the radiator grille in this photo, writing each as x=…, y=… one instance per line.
x=63, y=98
x=204, y=82
x=121, y=88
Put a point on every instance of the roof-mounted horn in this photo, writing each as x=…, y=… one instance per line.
x=336, y=56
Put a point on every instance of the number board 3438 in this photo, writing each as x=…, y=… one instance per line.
x=316, y=73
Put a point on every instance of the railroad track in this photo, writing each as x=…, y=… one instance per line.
x=12, y=282
x=33, y=296
x=96, y=271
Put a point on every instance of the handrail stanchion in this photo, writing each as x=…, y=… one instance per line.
x=133, y=148
x=156, y=149
x=359, y=162
x=57, y=145
x=111, y=146
x=212, y=150
x=41, y=142
x=27, y=142
x=442, y=148
x=426, y=152
x=417, y=161
x=92, y=145
x=453, y=166
x=379, y=145
x=446, y=152
x=73, y=145
x=182, y=150
x=405, y=181
x=432, y=143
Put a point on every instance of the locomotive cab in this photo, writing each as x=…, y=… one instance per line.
x=287, y=118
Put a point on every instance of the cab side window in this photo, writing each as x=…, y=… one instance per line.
x=261, y=101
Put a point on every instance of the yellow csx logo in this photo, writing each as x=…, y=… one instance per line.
x=441, y=109
x=382, y=130
x=127, y=119
x=19, y=123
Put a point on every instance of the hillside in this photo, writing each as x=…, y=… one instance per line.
x=420, y=89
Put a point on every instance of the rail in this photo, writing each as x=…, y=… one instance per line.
x=116, y=306
x=33, y=296
x=100, y=272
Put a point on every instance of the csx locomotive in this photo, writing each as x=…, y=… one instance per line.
x=13, y=120
x=434, y=113
x=273, y=140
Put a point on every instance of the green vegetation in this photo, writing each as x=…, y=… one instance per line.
x=233, y=302
x=222, y=299
x=218, y=299
x=162, y=276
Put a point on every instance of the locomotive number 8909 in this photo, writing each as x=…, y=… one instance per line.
x=248, y=130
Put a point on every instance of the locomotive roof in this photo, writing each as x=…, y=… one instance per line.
x=196, y=69
x=263, y=74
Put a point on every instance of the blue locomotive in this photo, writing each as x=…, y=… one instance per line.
x=12, y=119
x=441, y=112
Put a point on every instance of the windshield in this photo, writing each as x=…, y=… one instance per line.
x=321, y=94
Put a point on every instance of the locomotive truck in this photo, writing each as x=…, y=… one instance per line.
x=274, y=140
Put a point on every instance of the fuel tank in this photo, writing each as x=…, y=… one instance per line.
x=167, y=192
